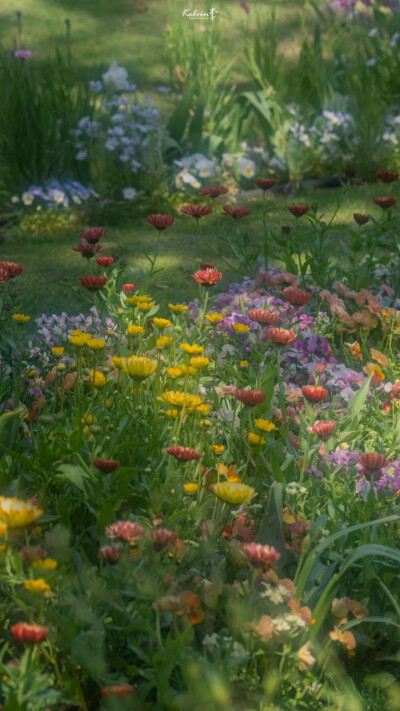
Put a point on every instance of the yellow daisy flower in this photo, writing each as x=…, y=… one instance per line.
x=241, y=328
x=21, y=318
x=233, y=492
x=199, y=361
x=214, y=318
x=134, y=330
x=138, y=367
x=161, y=323
x=264, y=425
x=190, y=487
x=254, y=438
x=178, y=308
x=191, y=349
x=164, y=341
x=57, y=350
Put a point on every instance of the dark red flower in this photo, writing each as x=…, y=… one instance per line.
x=160, y=222
x=236, y=212
x=385, y=202
x=387, y=176
x=205, y=265
x=350, y=172
x=105, y=261
x=92, y=234
x=361, y=219
x=106, y=465
x=93, y=283
x=4, y=275
x=207, y=277
x=162, y=538
x=184, y=454
x=125, y=530
x=295, y=296
x=298, y=210
x=213, y=191
x=260, y=556
x=249, y=397
x=110, y=553
x=264, y=316
x=87, y=249
x=30, y=634
x=197, y=211
x=12, y=268
x=117, y=690
x=286, y=229
x=314, y=393
x=372, y=464
x=265, y=183
x=323, y=428
x=281, y=336
x=128, y=288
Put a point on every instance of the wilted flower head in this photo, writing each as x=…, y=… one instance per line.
x=385, y=202
x=265, y=183
x=213, y=191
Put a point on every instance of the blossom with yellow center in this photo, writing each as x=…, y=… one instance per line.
x=190, y=487
x=57, y=350
x=172, y=413
x=179, y=400
x=95, y=344
x=164, y=341
x=214, y=318
x=254, y=438
x=241, y=328
x=161, y=323
x=191, y=349
x=21, y=318
x=138, y=367
x=264, y=425
x=16, y=512
x=45, y=564
x=134, y=330
x=97, y=378
x=37, y=586
x=199, y=361
x=217, y=448
x=233, y=492
x=244, y=363
x=178, y=308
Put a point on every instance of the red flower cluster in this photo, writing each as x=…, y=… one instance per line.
x=236, y=212
x=93, y=283
x=250, y=397
x=281, y=336
x=314, y=393
x=128, y=288
x=106, y=465
x=298, y=210
x=160, y=222
x=30, y=634
x=184, y=454
x=213, y=191
x=264, y=316
x=295, y=296
x=197, y=211
x=265, y=183
x=9, y=270
x=208, y=276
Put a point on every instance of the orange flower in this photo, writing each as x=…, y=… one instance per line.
x=305, y=658
x=354, y=349
x=345, y=638
x=379, y=357
x=377, y=376
x=191, y=607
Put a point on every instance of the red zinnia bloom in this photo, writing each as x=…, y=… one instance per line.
x=286, y=229
x=207, y=277
x=265, y=183
x=372, y=464
x=295, y=296
x=125, y=530
x=213, y=191
x=160, y=222
x=93, y=283
x=185, y=454
x=314, y=393
x=350, y=172
x=281, y=336
x=197, y=211
x=236, y=212
x=87, y=249
x=260, y=556
x=128, y=288
x=117, y=690
x=162, y=538
x=12, y=268
x=30, y=634
x=298, y=210
x=361, y=219
x=106, y=465
x=250, y=397
x=4, y=275
x=323, y=428
x=387, y=176
x=105, y=261
x=385, y=202
x=264, y=316
x=92, y=234
x=110, y=553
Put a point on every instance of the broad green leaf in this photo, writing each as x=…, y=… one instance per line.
x=358, y=401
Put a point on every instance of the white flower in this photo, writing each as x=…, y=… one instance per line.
x=82, y=155
x=205, y=167
x=185, y=177
x=370, y=62
x=58, y=197
x=373, y=32
x=129, y=193
x=28, y=198
x=211, y=640
x=15, y=199
x=247, y=167
x=116, y=78
x=76, y=200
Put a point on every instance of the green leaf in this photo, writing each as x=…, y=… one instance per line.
x=9, y=423
x=358, y=401
x=72, y=474
x=177, y=123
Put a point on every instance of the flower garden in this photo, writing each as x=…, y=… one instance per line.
x=200, y=465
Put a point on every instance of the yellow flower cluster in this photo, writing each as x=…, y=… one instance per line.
x=37, y=586
x=97, y=378
x=214, y=318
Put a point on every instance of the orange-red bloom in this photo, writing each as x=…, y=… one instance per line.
x=265, y=183
x=264, y=316
x=117, y=690
x=314, y=393
x=387, y=176
x=250, y=397
x=361, y=219
x=281, y=336
x=105, y=261
x=197, y=211
x=87, y=249
x=385, y=202
x=207, y=277
x=323, y=428
x=298, y=210
x=12, y=268
x=295, y=296
x=260, y=556
x=93, y=283
x=184, y=454
x=372, y=464
x=110, y=553
x=128, y=288
x=125, y=530
x=106, y=465
x=4, y=275
x=236, y=212
x=162, y=538
x=213, y=191
x=30, y=634
x=160, y=222
x=92, y=234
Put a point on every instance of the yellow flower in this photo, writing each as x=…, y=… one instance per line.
x=161, y=323
x=205, y=423
x=191, y=349
x=76, y=332
x=244, y=363
x=145, y=306
x=233, y=492
x=117, y=362
x=138, y=298
x=375, y=370
x=46, y=564
x=254, y=438
x=203, y=409
x=379, y=357
x=87, y=419
x=37, y=586
x=95, y=344
x=134, y=330
x=178, y=308
x=97, y=378
x=3, y=529
x=179, y=400
x=21, y=318
x=138, y=367
x=199, y=361
x=241, y=328
x=214, y=318
x=190, y=487
x=172, y=413
x=57, y=350
x=16, y=513
x=79, y=340
x=264, y=425
x=217, y=448
x=164, y=341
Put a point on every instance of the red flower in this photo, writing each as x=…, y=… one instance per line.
x=87, y=249
x=93, y=283
x=387, y=176
x=236, y=212
x=184, y=454
x=207, y=277
x=249, y=397
x=265, y=183
x=204, y=265
x=30, y=634
x=12, y=268
x=361, y=219
x=117, y=690
x=286, y=229
x=110, y=553
x=350, y=172
x=298, y=210
x=296, y=297
x=4, y=275
x=385, y=202
x=92, y=234
x=32, y=553
x=264, y=316
x=106, y=465
x=160, y=222
x=128, y=288
x=213, y=191
x=260, y=556
x=197, y=211
x=125, y=530
x=105, y=261
x=281, y=336
x=162, y=538
x=372, y=464
x=314, y=393
x=323, y=428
